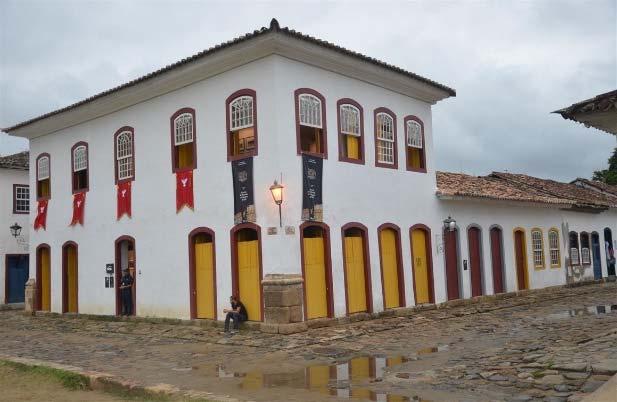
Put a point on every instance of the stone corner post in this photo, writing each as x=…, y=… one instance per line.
x=30, y=296
x=283, y=304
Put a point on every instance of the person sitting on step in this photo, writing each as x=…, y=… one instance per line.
x=237, y=313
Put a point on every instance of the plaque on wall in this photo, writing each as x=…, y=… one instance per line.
x=312, y=207
x=244, y=204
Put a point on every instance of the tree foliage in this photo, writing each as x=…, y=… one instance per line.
x=608, y=176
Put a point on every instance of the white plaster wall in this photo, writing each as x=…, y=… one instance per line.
x=8, y=243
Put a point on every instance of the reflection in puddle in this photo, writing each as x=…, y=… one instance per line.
x=434, y=349
x=591, y=310
x=337, y=379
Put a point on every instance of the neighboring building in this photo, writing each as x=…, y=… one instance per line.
x=599, y=112
x=171, y=176
x=14, y=226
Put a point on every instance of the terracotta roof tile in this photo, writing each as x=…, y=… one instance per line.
x=607, y=188
x=20, y=161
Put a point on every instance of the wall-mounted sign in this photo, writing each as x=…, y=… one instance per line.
x=272, y=230
x=290, y=230
x=109, y=269
x=244, y=204
x=312, y=175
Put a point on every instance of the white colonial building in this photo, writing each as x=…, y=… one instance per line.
x=170, y=176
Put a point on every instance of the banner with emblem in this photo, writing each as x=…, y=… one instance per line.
x=244, y=200
x=312, y=174
x=41, y=215
x=184, y=189
x=124, y=199
x=79, y=204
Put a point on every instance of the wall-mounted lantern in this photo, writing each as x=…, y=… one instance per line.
x=15, y=230
x=449, y=224
x=277, y=195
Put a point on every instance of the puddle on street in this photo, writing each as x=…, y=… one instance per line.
x=339, y=379
x=591, y=310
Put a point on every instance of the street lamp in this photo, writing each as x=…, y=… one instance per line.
x=449, y=224
x=277, y=195
x=15, y=230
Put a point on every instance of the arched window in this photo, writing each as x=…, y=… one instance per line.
x=385, y=139
x=553, y=247
x=574, y=251
x=183, y=135
x=351, y=131
x=585, y=253
x=79, y=162
x=537, y=244
x=43, y=177
x=310, y=122
x=125, y=154
x=414, y=140
x=241, y=124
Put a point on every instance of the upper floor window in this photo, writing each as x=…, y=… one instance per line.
x=574, y=252
x=585, y=250
x=310, y=122
x=242, y=124
x=125, y=154
x=351, y=131
x=79, y=159
x=414, y=133
x=385, y=139
x=537, y=244
x=43, y=176
x=183, y=135
x=21, y=199
x=553, y=246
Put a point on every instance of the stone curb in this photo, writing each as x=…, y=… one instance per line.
x=107, y=382
x=11, y=306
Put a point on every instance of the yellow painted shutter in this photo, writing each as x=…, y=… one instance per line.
x=415, y=157
x=45, y=281
x=185, y=155
x=204, y=280
x=390, y=268
x=418, y=240
x=315, y=276
x=249, y=282
x=71, y=279
x=354, y=259
x=353, y=147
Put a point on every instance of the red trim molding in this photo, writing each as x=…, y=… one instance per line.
x=297, y=93
x=429, y=261
x=192, y=281
x=65, y=289
x=341, y=156
x=39, y=291
x=38, y=197
x=399, y=264
x=422, y=151
x=231, y=98
x=328, y=261
x=172, y=130
x=118, y=274
x=367, y=265
x=116, y=134
x=391, y=113
x=233, y=240
x=73, y=178
x=15, y=211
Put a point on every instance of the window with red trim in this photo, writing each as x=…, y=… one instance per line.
x=311, y=122
x=385, y=139
x=124, y=153
x=415, y=144
x=183, y=137
x=241, y=124
x=79, y=167
x=43, y=176
x=351, y=131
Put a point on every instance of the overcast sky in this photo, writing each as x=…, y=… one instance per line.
x=511, y=63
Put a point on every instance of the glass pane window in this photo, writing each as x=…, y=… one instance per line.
x=414, y=134
x=124, y=152
x=585, y=256
x=538, y=250
x=241, y=113
x=574, y=255
x=553, y=244
x=350, y=120
x=310, y=111
x=385, y=138
x=183, y=126
x=43, y=168
x=80, y=158
x=22, y=199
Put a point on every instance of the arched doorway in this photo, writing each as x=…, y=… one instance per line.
x=595, y=251
x=202, y=274
x=452, y=263
x=474, y=239
x=247, y=271
x=392, y=284
x=520, y=253
x=610, y=252
x=421, y=263
x=497, y=259
x=69, y=278
x=43, y=277
x=125, y=258
x=356, y=268
x=316, y=270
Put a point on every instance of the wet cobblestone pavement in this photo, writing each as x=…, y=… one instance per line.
x=555, y=345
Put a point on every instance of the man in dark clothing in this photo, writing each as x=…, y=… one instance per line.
x=237, y=313
x=126, y=286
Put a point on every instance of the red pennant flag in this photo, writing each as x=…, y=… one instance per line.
x=124, y=199
x=79, y=203
x=41, y=215
x=184, y=189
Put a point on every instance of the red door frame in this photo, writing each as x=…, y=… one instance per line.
x=496, y=234
x=192, y=281
x=327, y=255
x=39, y=290
x=399, y=264
x=474, y=243
x=233, y=240
x=451, y=254
x=65, y=289
x=429, y=261
x=367, y=265
x=520, y=256
x=118, y=274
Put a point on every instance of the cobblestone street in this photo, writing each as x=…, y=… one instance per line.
x=551, y=345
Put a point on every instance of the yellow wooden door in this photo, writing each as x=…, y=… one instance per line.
x=249, y=282
x=389, y=265
x=71, y=279
x=360, y=368
x=45, y=280
x=315, y=278
x=420, y=265
x=354, y=267
x=353, y=147
x=204, y=280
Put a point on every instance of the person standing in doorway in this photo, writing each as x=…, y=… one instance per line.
x=237, y=313
x=126, y=287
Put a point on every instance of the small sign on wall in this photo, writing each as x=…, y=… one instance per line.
x=109, y=269
x=290, y=230
x=272, y=230
x=438, y=244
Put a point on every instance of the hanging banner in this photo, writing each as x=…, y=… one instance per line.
x=79, y=203
x=184, y=189
x=41, y=215
x=312, y=207
x=124, y=199
x=244, y=201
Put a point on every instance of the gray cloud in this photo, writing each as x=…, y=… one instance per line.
x=512, y=63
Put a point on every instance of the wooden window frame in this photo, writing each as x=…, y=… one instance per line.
x=389, y=112
x=15, y=187
x=580, y=242
x=341, y=135
x=368, y=287
x=192, y=281
x=324, y=125
x=558, y=248
x=116, y=170
x=534, y=250
x=422, y=150
x=228, y=101
x=399, y=263
x=73, y=181
x=172, y=136
x=40, y=156
x=578, y=248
